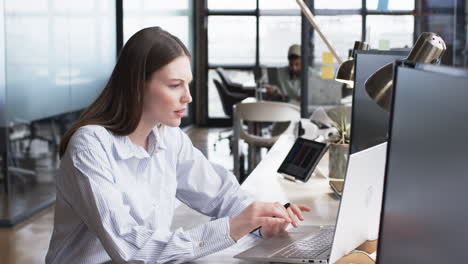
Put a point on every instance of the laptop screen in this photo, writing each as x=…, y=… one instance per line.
x=424, y=211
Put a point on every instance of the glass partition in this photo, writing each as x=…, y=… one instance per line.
x=58, y=56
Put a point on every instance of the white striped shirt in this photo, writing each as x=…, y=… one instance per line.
x=115, y=200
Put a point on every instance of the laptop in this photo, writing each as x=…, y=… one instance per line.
x=357, y=220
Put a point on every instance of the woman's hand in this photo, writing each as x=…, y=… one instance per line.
x=294, y=212
x=272, y=217
x=258, y=214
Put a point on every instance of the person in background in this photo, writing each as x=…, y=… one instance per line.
x=126, y=161
x=287, y=84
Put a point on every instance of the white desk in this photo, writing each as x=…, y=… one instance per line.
x=266, y=185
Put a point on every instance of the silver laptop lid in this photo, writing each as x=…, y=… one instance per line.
x=359, y=213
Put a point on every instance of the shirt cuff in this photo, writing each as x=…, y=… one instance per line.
x=241, y=206
x=211, y=237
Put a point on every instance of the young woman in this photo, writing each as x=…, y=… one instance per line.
x=125, y=162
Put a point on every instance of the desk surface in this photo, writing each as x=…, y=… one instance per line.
x=266, y=185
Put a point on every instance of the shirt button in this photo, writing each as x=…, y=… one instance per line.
x=201, y=244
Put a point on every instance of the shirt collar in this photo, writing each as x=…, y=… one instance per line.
x=159, y=135
x=125, y=149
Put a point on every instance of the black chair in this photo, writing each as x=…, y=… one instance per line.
x=234, y=87
x=228, y=98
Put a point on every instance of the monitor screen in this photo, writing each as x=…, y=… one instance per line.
x=424, y=211
x=369, y=124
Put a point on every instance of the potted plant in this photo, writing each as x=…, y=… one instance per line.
x=339, y=150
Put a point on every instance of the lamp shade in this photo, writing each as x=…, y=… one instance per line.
x=429, y=48
x=345, y=72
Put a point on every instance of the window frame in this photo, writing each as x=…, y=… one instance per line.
x=191, y=13
x=257, y=12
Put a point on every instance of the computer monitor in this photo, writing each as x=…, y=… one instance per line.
x=424, y=211
x=369, y=123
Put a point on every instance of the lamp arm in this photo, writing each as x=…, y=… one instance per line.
x=311, y=19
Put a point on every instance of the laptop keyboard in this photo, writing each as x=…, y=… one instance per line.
x=309, y=248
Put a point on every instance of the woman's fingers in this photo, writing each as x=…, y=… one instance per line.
x=278, y=210
x=271, y=221
x=297, y=211
x=274, y=218
x=293, y=217
x=280, y=228
x=261, y=209
x=304, y=208
x=292, y=214
x=278, y=217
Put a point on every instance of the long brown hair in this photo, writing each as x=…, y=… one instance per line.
x=120, y=105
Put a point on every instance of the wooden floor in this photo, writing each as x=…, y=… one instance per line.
x=27, y=243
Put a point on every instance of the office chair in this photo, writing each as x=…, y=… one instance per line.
x=263, y=111
x=19, y=147
x=228, y=99
x=234, y=87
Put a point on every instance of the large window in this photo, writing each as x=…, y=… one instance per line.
x=277, y=33
x=348, y=4
x=245, y=34
x=386, y=32
x=231, y=5
x=231, y=39
x=278, y=5
x=173, y=16
x=242, y=35
x=392, y=5
x=342, y=31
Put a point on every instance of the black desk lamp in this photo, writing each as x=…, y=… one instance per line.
x=345, y=73
x=429, y=48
